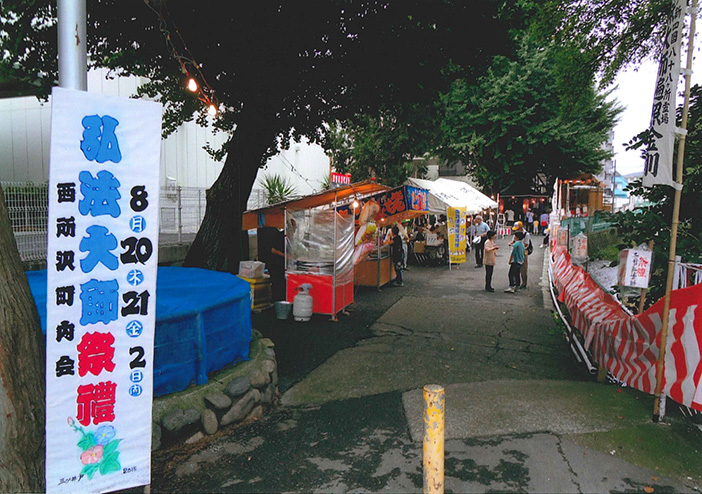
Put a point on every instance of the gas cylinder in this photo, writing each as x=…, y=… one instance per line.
x=302, y=303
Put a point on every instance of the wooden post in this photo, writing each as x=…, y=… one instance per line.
x=676, y=218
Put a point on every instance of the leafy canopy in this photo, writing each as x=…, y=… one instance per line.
x=287, y=65
x=513, y=125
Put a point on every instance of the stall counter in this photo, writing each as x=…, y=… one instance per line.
x=372, y=272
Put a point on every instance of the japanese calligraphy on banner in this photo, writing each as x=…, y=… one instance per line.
x=658, y=168
x=634, y=268
x=456, y=222
x=395, y=204
x=101, y=262
x=340, y=178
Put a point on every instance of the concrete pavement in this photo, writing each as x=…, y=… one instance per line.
x=521, y=415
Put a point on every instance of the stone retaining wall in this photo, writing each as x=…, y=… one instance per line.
x=239, y=393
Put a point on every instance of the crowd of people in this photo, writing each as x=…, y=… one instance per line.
x=402, y=238
x=481, y=239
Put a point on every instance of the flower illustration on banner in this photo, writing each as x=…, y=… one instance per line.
x=91, y=455
x=99, y=449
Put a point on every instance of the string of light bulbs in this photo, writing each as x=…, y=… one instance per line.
x=292, y=168
x=202, y=90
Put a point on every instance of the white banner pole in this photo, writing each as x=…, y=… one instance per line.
x=72, y=45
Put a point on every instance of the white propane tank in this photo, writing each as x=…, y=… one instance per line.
x=302, y=303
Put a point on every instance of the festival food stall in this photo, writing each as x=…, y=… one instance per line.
x=444, y=193
x=455, y=199
x=319, y=243
x=373, y=266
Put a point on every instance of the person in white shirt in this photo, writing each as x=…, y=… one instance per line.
x=529, y=221
x=481, y=230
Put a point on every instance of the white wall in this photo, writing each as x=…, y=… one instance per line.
x=304, y=165
x=25, y=126
x=25, y=133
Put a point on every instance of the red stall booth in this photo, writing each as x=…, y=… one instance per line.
x=318, y=243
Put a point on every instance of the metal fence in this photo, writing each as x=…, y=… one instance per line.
x=182, y=210
x=586, y=224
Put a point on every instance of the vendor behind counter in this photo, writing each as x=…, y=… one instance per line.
x=271, y=250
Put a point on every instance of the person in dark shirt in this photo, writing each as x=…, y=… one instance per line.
x=396, y=254
x=271, y=250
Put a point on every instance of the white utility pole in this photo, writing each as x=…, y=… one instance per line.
x=72, y=45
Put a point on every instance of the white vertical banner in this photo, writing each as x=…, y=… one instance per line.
x=658, y=168
x=101, y=301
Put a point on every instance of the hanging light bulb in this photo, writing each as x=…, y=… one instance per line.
x=355, y=204
x=192, y=85
x=212, y=110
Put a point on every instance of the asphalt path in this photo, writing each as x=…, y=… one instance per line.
x=350, y=417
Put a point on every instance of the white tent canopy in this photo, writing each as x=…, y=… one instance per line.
x=444, y=193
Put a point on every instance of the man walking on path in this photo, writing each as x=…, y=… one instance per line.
x=481, y=230
x=529, y=221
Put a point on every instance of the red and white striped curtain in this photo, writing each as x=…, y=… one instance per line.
x=628, y=346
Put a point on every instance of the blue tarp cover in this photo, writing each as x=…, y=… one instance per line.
x=203, y=323
x=179, y=291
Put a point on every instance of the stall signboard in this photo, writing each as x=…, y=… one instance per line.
x=340, y=178
x=456, y=222
x=401, y=200
x=102, y=260
x=397, y=204
x=634, y=268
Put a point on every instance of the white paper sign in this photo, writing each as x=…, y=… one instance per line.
x=658, y=168
x=634, y=268
x=579, y=246
x=101, y=300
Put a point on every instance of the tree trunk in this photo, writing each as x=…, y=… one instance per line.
x=22, y=361
x=220, y=244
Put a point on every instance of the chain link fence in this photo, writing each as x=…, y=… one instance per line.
x=182, y=210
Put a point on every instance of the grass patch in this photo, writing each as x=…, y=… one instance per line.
x=608, y=253
x=671, y=448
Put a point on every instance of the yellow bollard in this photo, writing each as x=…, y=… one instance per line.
x=433, y=439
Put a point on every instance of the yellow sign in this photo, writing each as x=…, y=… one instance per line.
x=457, y=235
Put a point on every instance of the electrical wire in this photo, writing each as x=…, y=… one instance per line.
x=204, y=91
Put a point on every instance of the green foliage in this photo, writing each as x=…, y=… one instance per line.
x=87, y=441
x=515, y=124
x=653, y=222
x=89, y=470
x=111, y=447
x=110, y=463
x=606, y=253
x=598, y=36
x=382, y=146
x=277, y=188
x=326, y=182
x=289, y=66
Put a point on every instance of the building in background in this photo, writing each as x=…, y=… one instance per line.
x=607, y=176
x=621, y=196
x=187, y=170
